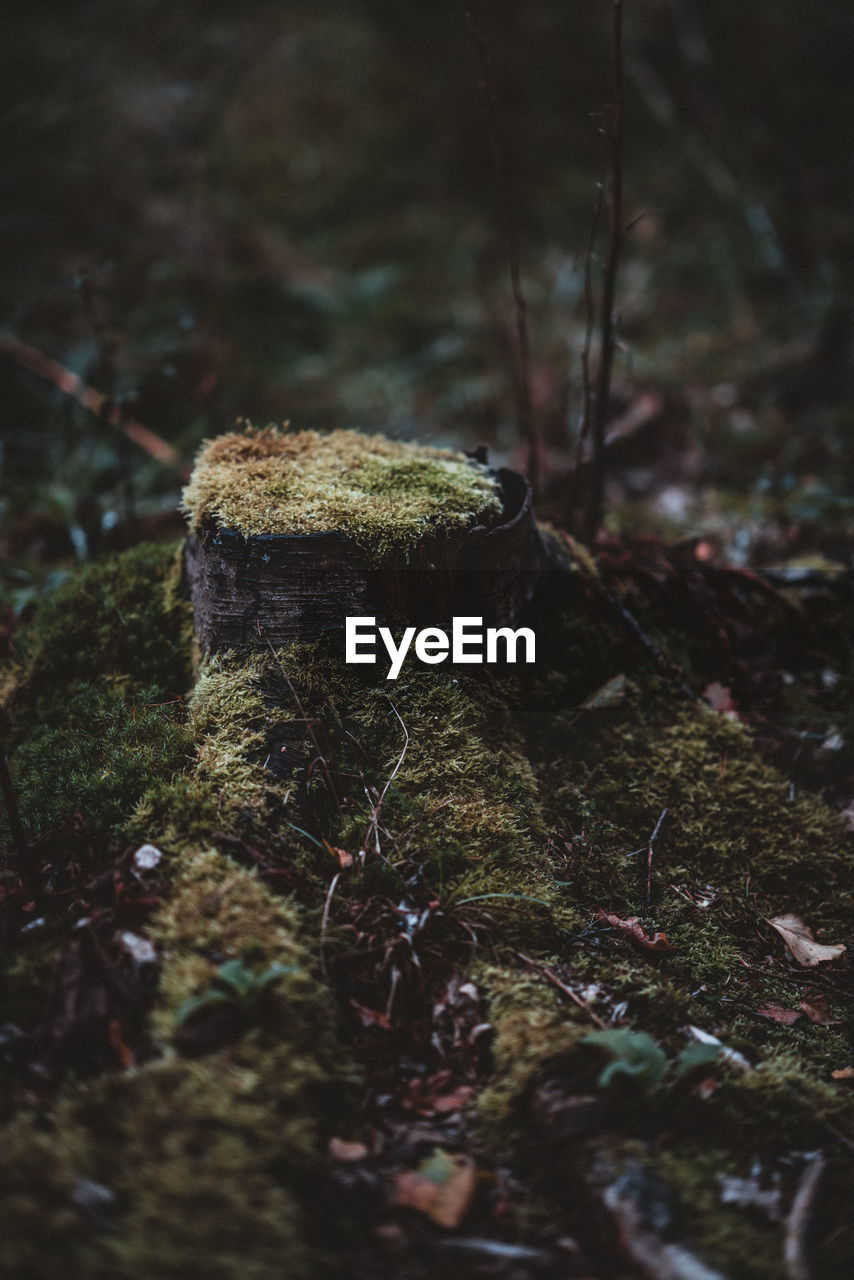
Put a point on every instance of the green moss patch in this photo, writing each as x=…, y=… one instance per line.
x=510, y=813
x=206, y=1158
x=94, y=701
x=387, y=495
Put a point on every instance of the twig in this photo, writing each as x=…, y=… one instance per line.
x=324, y=921
x=609, y=284
x=506, y=187
x=561, y=986
x=621, y=609
x=101, y=406
x=649, y=850
x=799, y=1219
x=375, y=813
x=589, y=322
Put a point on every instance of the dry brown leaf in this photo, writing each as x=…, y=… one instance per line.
x=441, y=1187
x=341, y=856
x=798, y=937
x=453, y=1101
x=817, y=1008
x=635, y=932
x=370, y=1017
x=788, y=1017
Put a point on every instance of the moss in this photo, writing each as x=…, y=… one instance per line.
x=95, y=702
x=205, y=1158
x=499, y=795
x=386, y=495
x=217, y=908
x=120, y=618
x=42, y=1226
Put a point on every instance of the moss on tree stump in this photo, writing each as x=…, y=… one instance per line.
x=292, y=532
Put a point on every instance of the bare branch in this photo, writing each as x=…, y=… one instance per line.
x=506, y=187
x=101, y=406
x=609, y=284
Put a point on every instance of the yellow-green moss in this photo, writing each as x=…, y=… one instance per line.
x=205, y=1158
x=387, y=495
x=94, y=706
x=524, y=814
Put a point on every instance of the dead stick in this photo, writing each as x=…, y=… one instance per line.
x=661, y=658
x=95, y=402
x=589, y=322
x=799, y=1219
x=506, y=189
x=649, y=850
x=609, y=285
x=561, y=986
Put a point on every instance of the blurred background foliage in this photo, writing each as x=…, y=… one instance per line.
x=290, y=211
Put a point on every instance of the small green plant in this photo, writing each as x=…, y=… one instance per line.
x=237, y=985
x=635, y=1054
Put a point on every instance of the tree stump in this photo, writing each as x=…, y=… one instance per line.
x=291, y=533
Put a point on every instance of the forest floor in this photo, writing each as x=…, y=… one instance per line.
x=519, y=975
x=542, y=975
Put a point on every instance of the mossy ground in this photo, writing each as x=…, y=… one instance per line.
x=509, y=810
x=387, y=495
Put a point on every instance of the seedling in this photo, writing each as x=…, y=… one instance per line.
x=237, y=985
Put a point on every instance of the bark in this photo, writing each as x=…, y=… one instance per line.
x=248, y=590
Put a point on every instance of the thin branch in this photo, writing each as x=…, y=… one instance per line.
x=95, y=402
x=324, y=921
x=561, y=986
x=589, y=319
x=609, y=284
x=649, y=852
x=373, y=823
x=506, y=187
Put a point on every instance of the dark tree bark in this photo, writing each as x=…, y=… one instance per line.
x=249, y=591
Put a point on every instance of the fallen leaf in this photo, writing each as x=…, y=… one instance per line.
x=341, y=856
x=635, y=932
x=347, y=1152
x=818, y=1010
x=843, y=1073
x=453, y=1101
x=609, y=694
x=370, y=1017
x=441, y=1187
x=719, y=698
x=437, y=1094
x=146, y=857
x=798, y=937
x=788, y=1017
x=730, y=1056
x=140, y=949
